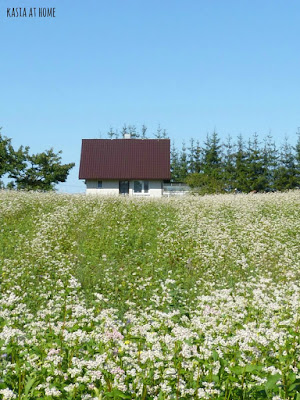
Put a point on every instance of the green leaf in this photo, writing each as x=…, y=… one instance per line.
x=293, y=386
x=161, y=396
x=271, y=383
x=292, y=377
x=117, y=394
x=29, y=385
x=237, y=370
x=252, y=368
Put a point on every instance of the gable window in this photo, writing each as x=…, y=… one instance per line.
x=99, y=185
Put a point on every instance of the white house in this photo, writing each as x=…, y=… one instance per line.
x=134, y=167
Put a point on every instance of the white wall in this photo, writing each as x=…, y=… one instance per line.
x=155, y=188
x=110, y=188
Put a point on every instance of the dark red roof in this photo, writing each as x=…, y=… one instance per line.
x=125, y=159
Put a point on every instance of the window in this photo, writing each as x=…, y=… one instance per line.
x=137, y=187
x=124, y=187
x=141, y=186
x=146, y=186
x=99, y=185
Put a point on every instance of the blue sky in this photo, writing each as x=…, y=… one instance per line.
x=191, y=66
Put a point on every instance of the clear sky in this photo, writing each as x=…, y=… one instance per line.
x=192, y=66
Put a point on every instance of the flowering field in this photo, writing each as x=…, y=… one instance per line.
x=118, y=298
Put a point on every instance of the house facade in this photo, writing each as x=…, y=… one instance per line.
x=133, y=167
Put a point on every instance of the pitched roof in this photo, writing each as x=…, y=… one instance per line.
x=125, y=159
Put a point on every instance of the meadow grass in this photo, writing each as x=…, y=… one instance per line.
x=124, y=298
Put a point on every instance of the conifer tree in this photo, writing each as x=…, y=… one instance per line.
x=212, y=156
x=158, y=134
x=111, y=133
x=175, y=165
x=124, y=131
x=297, y=158
x=228, y=164
x=144, y=130
x=197, y=158
x=192, y=157
x=133, y=132
x=183, y=163
x=256, y=177
x=286, y=173
x=240, y=175
x=269, y=157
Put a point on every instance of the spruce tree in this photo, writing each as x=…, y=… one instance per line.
x=269, y=157
x=228, y=165
x=297, y=158
x=175, y=164
x=192, y=157
x=197, y=157
x=133, y=132
x=256, y=177
x=286, y=173
x=144, y=130
x=212, y=155
x=241, y=162
x=183, y=163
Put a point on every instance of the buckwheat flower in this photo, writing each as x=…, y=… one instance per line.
x=165, y=388
x=73, y=283
x=52, y=392
x=88, y=397
x=70, y=387
x=170, y=372
x=272, y=370
x=202, y=394
x=7, y=394
x=94, y=375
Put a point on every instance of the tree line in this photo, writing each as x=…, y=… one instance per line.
x=134, y=133
x=39, y=171
x=252, y=165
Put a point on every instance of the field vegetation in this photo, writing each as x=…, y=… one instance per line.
x=119, y=298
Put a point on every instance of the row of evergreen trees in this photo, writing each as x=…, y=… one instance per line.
x=245, y=166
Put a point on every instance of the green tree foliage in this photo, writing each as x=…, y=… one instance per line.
x=212, y=156
x=175, y=164
x=256, y=177
x=297, y=157
x=240, y=173
x=228, y=164
x=31, y=172
x=257, y=166
x=183, y=163
x=160, y=133
x=5, y=154
x=286, y=172
x=135, y=133
x=270, y=159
